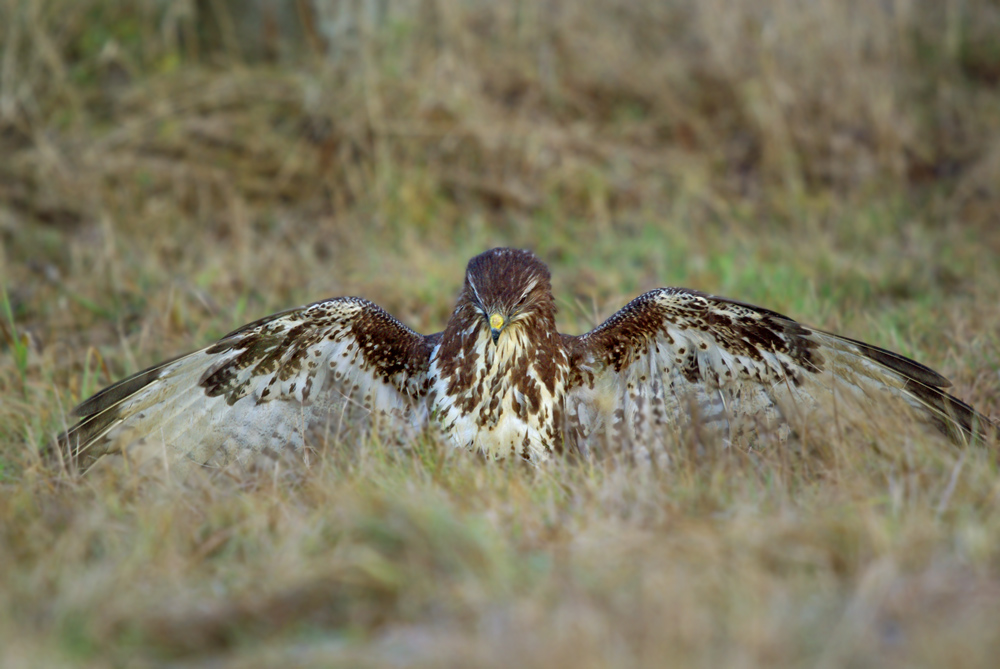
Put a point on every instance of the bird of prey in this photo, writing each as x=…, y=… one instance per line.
x=500, y=379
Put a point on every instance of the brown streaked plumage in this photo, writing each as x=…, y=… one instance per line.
x=501, y=390
x=500, y=379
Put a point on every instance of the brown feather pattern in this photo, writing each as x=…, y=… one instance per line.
x=500, y=378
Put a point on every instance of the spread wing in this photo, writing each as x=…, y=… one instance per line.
x=673, y=354
x=272, y=384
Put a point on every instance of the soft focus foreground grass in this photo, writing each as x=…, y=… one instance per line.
x=169, y=175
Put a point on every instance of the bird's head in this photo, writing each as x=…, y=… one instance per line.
x=508, y=289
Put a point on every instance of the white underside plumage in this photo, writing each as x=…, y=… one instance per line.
x=669, y=360
x=172, y=420
x=645, y=406
x=168, y=423
x=494, y=426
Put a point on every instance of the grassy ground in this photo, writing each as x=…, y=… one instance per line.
x=173, y=170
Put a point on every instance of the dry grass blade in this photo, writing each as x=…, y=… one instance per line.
x=173, y=170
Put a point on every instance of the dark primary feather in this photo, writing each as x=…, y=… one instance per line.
x=98, y=413
x=342, y=354
x=672, y=346
x=910, y=368
x=116, y=392
x=669, y=357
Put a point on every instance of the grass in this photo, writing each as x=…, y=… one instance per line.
x=168, y=176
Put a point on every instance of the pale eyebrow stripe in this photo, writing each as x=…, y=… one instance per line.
x=530, y=287
x=476, y=291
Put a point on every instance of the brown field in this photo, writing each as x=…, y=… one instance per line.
x=171, y=170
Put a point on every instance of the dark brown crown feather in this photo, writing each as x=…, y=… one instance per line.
x=644, y=363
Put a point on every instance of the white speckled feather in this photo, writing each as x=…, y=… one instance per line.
x=501, y=380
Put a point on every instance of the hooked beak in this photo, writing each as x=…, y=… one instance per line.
x=497, y=324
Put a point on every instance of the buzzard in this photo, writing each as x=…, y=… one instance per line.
x=500, y=379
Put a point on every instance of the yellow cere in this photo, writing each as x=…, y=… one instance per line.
x=496, y=321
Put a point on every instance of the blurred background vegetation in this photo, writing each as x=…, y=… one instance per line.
x=174, y=168
x=201, y=143
x=170, y=169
